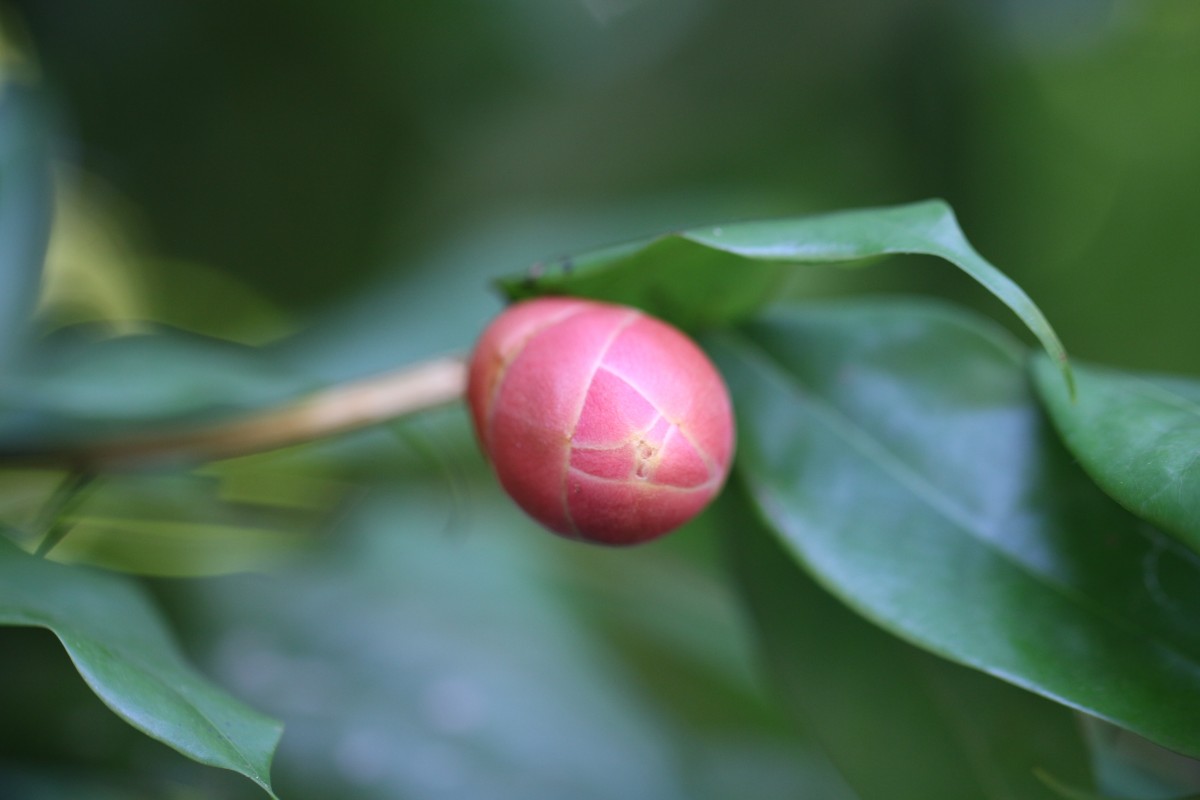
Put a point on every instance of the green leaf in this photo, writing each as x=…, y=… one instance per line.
x=73, y=388
x=899, y=453
x=230, y=516
x=898, y=723
x=125, y=654
x=25, y=207
x=1138, y=436
x=712, y=275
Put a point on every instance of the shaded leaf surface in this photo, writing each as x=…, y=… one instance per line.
x=25, y=207
x=1128, y=765
x=125, y=654
x=897, y=451
x=1138, y=436
x=1068, y=792
x=898, y=722
x=712, y=275
x=75, y=388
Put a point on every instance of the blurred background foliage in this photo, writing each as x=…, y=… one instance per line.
x=306, y=154
x=336, y=184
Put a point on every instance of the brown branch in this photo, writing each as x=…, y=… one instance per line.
x=332, y=411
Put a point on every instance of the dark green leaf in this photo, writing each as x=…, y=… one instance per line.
x=718, y=274
x=899, y=453
x=25, y=207
x=899, y=723
x=1138, y=436
x=125, y=654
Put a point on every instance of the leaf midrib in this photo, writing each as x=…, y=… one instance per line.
x=68, y=635
x=846, y=428
x=149, y=671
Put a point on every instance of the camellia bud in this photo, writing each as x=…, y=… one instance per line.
x=602, y=423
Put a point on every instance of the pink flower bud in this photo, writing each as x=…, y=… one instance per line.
x=603, y=423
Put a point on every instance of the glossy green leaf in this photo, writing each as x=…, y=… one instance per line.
x=25, y=207
x=718, y=274
x=125, y=654
x=1138, y=436
x=897, y=450
x=899, y=723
